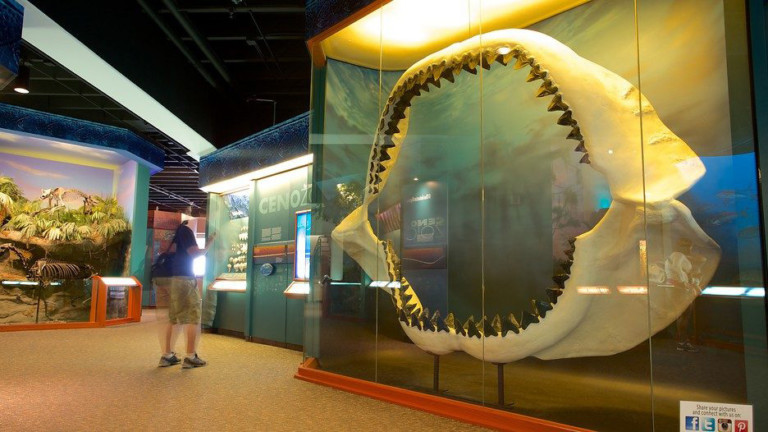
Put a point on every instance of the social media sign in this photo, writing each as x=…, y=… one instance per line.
x=715, y=417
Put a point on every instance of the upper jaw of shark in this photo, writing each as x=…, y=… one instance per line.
x=602, y=115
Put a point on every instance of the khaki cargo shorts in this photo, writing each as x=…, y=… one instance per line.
x=162, y=295
x=184, y=301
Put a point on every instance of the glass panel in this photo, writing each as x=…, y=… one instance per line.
x=344, y=115
x=227, y=259
x=26, y=302
x=704, y=249
x=430, y=208
x=560, y=140
x=117, y=302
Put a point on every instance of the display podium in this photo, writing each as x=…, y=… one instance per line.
x=114, y=300
x=118, y=300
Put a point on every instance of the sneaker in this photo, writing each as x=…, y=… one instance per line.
x=169, y=361
x=686, y=346
x=193, y=362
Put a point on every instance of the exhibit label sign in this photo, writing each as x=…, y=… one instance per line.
x=425, y=228
x=715, y=417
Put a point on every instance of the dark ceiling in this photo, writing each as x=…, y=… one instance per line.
x=227, y=68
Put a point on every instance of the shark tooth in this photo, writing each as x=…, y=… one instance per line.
x=522, y=59
x=469, y=69
x=560, y=279
x=398, y=115
x=450, y=322
x=438, y=324
x=473, y=61
x=510, y=324
x=497, y=325
x=384, y=155
x=584, y=159
x=437, y=71
x=471, y=328
x=540, y=308
x=575, y=134
x=374, y=190
x=553, y=294
x=535, y=74
x=434, y=82
x=528, y=319
x=506, y=58
x=388, y=143
x=488, y=59
x=546, y=89
x=376, y=179
x=486, y=328
x=566, y=119
x=381, y=168
x=557, y=104
x=569, y=252
x=581, y=147
x=414, y=317
x=403, y=317
x=567, y=264
x=448, y=75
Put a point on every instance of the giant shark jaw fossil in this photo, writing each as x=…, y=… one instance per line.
x=590, y=310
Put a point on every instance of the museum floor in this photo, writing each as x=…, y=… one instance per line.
x=108, y=380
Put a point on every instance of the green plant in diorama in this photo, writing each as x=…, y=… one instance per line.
x=10, y=194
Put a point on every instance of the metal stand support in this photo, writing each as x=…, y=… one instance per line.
x=436, y=374
x=500, y=369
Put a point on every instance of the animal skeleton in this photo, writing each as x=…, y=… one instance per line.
x=46, y=270
x=602, y=112
x=58, y=195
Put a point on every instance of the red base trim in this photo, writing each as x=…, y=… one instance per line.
x=461, y=411
x=47, y=326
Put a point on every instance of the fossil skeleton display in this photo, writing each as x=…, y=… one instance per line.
x=645, y=170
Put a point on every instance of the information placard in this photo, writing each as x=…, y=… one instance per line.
x=715, y=417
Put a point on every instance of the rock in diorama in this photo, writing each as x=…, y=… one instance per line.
x=620, y=135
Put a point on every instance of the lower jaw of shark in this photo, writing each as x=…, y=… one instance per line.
x=604, y=301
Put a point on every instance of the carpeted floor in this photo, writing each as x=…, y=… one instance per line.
x=108, y=380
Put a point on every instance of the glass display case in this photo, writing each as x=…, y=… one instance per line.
x=230, y=259
x=550, y=208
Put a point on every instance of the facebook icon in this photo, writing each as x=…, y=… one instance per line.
x=691, y=423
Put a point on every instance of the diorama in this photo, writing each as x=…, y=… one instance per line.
x=64, y=233
x=66, y=211
x=554, y=196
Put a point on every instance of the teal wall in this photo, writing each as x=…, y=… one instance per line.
x=139, y=263
x=275, y=202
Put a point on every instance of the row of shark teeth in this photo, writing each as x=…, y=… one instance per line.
x=431, y=75
x=413, y=315
x=496, y=327
x=393, y=262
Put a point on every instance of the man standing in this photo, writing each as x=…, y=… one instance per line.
x=185, y=301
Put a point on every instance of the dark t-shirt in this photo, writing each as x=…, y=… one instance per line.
x=182, y=264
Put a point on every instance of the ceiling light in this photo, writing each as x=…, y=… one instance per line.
x=21, y=83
